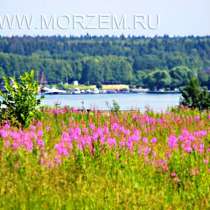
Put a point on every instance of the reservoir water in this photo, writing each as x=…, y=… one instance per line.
x=157, y=102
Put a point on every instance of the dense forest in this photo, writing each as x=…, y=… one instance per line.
x=155, y=63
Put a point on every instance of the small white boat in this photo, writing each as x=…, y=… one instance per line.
x=76, y=91
x=52, y=91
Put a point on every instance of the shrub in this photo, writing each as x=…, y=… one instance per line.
x=115, y=106
x=20, y=103
x=194, y=96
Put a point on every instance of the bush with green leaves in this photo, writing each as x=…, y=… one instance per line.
x=115, y=106
x=194, y=96
x=20, y=103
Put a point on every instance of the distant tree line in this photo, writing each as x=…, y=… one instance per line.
x=155, y=63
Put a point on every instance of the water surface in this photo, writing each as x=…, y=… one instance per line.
x=158, y=102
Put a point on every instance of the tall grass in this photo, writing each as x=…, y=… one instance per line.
x=101, y=160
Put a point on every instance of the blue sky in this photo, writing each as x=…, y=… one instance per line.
x=178, y=17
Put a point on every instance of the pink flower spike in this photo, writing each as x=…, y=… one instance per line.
x=154, y=140
x=172, y=142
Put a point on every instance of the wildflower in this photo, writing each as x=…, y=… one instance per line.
x=154, y=140
x=40, y=142
x=197, y=118
x=61, y=150
x=111, y=142
x=173, y=174
x=147, y=150
x=57, y=160
x=172, y=142
x=206, y=161
x=40, y=133
x=4, y=133
x=129, y=145
x=115, y=126
x=201, y=148
x=187, y=148
x=145, y=140
x=122, y=144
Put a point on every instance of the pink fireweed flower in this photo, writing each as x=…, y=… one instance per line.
x=168, y=155
x=145, y=140
x=111, y=142
x=187, y=148
x=39, y=124
x=173, y=174
x=7, y=126
x=195, y=147
x=206, y=161
x=80, y=146
x=40, y=133
x=172, y=142
x=100, y=132
x=115, y=126
x=32, y=128
x=4, y=133
x=92, y=126
x=61, y=150
x=125, y=131
x=102, y=140
x=136, y=136
x=201, y=148
x=147, y=150
x=139, y=151
x=197, y=118
x=7, y=144
x=154, y=154
x=57, y=160
x=162, y=164
x=154, y=140
x=29, y=146
x=85, y=130
x=129, y=145
x=201, y=133
x=40, y=143
x=191, y=137
x=74, y=109
x=95, y=136
x=122, y=143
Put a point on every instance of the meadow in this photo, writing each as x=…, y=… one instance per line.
x=73, y=159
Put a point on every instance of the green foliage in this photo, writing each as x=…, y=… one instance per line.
x=19, y=103
x=158, y=79
x=194, y=96
x=115, y=106
x=180, y=76
x=93, y=60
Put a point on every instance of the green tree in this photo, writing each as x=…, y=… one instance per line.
x=180, y=76
x=20, y=102
x=158, y=79
x=194, y=96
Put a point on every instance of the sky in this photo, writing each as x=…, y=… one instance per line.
x=106, y=17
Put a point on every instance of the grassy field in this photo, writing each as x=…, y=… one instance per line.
x=95, y=160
